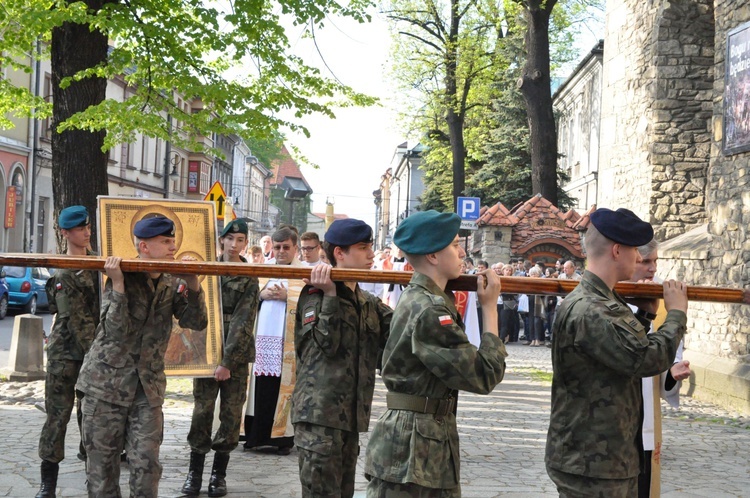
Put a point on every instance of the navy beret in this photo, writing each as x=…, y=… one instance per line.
x=73, y=216
x=152, y=227
x=235, y=226
x=622, y=226
x=347, y=232
x=426, y=232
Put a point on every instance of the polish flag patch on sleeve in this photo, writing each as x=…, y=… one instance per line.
x=181, y=288
x=309, y=317
x=58, y=286
x=445, y=320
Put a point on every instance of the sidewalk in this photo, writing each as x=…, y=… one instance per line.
x=502, y=445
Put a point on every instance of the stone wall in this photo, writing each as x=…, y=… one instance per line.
x=492, y=244
x=628, y=80
x=679, y=138
x=656, y=110
x=665, y=61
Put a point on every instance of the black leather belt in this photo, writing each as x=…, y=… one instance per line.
x=419, y=404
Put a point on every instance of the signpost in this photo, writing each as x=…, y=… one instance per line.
x=468, y=209
x=219, y=197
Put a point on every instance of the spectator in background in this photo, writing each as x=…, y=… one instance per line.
x=323, y=256
x=537, y=315
x=509, y=321
x=267, y=245
x=470, y=270
x=310, y=247
x=569, y=272
x=256, y=255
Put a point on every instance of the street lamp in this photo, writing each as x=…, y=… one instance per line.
x=174, y=174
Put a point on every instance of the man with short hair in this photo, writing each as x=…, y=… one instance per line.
x=310, y=247
x=339, y=329
x=569, y=272
x=273, y=325
x=74, y=297
x=600, y=352
x=123, y=374
x=239, y=302
x=413, y=449
x=470, y=270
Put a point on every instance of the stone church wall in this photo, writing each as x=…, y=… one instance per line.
x=662, y=151
x=658, y=62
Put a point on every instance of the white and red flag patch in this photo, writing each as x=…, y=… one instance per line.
x=445, y=320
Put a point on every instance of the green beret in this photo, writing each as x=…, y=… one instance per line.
x=73, y=216
x=235, y=226
x=622, y=226
x=426, y=232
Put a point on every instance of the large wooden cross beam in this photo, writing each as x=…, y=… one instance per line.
x=512, y=285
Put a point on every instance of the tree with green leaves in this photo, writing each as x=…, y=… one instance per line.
x=506, y=174
x=232, y=56
x=541, y=20
x=444, y=60
x=496, y=114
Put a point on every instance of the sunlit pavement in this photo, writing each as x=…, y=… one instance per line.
x=502, y=447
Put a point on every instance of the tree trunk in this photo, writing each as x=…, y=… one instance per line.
x=535, y=87
x=79, y=167
x=454, y=115
x=458, y=153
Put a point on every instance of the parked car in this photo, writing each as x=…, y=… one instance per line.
x=26, y=288
x=3, y=295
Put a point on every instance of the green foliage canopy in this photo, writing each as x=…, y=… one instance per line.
x=233, y=55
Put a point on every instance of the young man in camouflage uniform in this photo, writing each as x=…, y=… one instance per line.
x=123, y=373
x=600, y=352
x=339, y=333
x=239, y=301
x=74, y=296
x=413, y=450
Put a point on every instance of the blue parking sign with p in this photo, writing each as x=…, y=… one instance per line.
x=468, y=207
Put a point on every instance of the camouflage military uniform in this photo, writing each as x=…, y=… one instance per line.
x=337, y=341
x=123, y=379
x=599, y=354
x=74, y=296
x=239, y=300
x=429, y=356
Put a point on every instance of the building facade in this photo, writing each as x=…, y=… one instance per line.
x=577, y=103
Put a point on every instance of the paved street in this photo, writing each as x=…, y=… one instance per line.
x=502, y=444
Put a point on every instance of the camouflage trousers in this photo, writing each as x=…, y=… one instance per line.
x=327, y=460
x=578, y=486
x=378, y=488
x=59, y=397
x=107, y=429
x=232, y=393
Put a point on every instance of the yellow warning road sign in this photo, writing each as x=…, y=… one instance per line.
x=219, y=197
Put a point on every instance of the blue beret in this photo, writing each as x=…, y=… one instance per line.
x=427, y=232
x=73, y=216
x=152, y=227
x=347, y=232
x=235, y=226
x=622, y=226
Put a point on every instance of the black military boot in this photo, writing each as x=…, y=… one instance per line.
x=217, y=484
x=194, y=480
x=49, y=480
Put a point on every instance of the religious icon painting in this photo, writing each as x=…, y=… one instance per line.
x=190, y=353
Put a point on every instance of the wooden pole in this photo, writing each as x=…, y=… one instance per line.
x=511, y=285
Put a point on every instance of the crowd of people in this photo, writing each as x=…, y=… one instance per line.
x=300, y=361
